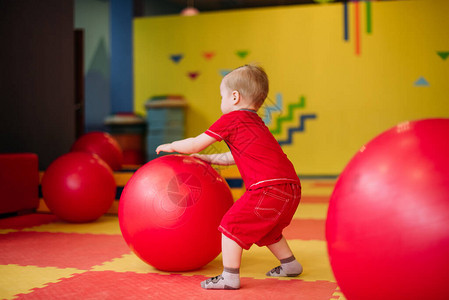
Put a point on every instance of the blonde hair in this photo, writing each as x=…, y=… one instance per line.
x=250, y=81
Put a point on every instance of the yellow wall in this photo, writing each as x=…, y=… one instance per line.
x=354, y=97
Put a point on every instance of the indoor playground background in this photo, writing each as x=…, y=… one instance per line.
x=340, y=73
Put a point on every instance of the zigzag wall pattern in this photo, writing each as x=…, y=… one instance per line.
x=289, y=117
x=301, y=127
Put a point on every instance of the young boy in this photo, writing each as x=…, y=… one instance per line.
x=273, y=190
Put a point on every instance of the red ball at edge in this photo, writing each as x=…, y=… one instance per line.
x=388, y=220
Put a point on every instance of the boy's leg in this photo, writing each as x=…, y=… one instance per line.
x=289, y=265
x=230, y=278
x=281, y=249
x=231, y=253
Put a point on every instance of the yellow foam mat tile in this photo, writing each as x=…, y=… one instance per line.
x=126, y=263
x=5, y=231
x=16, y=279
x=311, y=211
x=315, y=193
x=311, y=254
x=338, y=295
x=132, y=263
x=104, y=225
x=324, y=192
x=255, y=263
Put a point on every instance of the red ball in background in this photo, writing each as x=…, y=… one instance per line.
x=78, y=187
x=170, y=210
x=102, y=144
x=388, y=220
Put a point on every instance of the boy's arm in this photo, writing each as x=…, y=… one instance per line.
x=189, y=145
x=223, y=159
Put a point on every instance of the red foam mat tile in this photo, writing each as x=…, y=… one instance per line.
x=114, y=285
x=300, y=229
x=26, y=221
x=62, y=250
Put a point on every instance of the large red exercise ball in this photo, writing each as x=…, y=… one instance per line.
x=78, y=187
x=170, y=210
x=387, y=226
x=102, y=144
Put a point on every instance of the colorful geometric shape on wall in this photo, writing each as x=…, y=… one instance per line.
x=224, y=72
x=357, y=22
x=345, y=21
x=242, y=53
x=289, y=116
x=443, y=54
x=357, y=27
x=368, y=17
x=176, y=58
x=300, y=128
x=421, y=81
x=193, y=75
x=270, y=108
x=208, y=55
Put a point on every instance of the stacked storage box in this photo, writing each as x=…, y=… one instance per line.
x=129, y=131
x=165, y=122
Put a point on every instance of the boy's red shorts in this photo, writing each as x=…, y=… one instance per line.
x=260, y=215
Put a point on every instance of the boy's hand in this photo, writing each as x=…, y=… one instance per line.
x=188, y=146
x=164, y=148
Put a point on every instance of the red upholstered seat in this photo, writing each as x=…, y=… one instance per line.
x=19, y=182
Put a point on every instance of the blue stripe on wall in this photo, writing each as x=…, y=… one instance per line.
x=121, y=12
x=345, y=21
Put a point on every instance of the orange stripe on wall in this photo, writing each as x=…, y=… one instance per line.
x=357, y=27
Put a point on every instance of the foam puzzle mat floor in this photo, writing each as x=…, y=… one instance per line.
x=42, y=257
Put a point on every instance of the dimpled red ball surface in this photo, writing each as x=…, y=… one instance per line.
x=102, y=144
x=388, y=220
x=78, y=187
x=170, y=210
